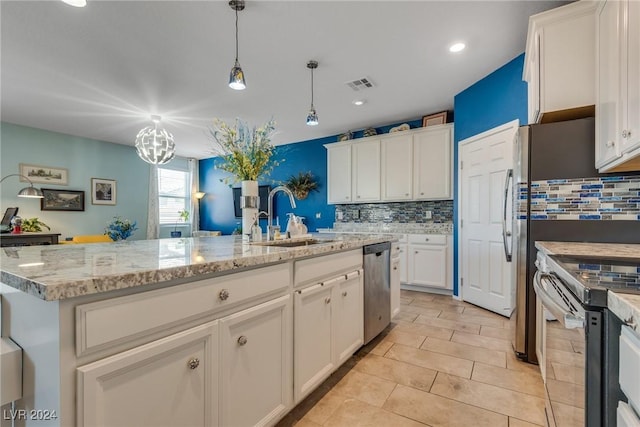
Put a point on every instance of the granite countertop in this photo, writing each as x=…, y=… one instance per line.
x=65, y=271
x=394, y=228
x=625, y=306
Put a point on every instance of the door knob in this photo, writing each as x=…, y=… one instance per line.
x=223, y=295
x=193, y=363
x=242, y=340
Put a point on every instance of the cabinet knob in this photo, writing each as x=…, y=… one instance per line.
x=242, y=340
x=193, y=363
x=327, y=300
x=415, y=252
x=626, y=133
x=426, y=239
x=610, y=144
x=395, y=267
x=422, y=194
x=358, y=197
x=344, y=294
x=406, y=194
x=223, y=295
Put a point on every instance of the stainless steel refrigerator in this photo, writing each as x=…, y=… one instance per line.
x=561, y=150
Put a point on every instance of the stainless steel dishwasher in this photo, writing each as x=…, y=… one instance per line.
x=377, y=295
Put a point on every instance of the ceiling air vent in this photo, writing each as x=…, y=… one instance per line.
x=360, y=84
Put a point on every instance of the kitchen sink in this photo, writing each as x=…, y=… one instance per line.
x=290, y=243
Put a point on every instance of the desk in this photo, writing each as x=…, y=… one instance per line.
x=28, y=239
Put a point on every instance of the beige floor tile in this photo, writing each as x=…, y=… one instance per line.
x=416, y=309
x=564, y=357
x=475, y=320
x=367, y=388
x=556, y=330
x=423, y=296
x=567, y=393
x=449, y=324
x=431, y=360
x=405, y=300
x=306, y=423
x=448, y=299
x=479, y=311
x=405, y=338
x=322, y=410
x=405, y=316
x=437, y=411
x=514, y=422
x=382, y=347
x=482, y=341
x=396, y=371
x=464, y=351
x=518, y=365
x=559, y=344
x=353, y=413
x=425, y=330
x=566, y=415
x=566, y=373
x=437, y=305
x=497, y=399
x=500, y=333
x=522, y=381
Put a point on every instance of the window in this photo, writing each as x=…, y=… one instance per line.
x=173, y=194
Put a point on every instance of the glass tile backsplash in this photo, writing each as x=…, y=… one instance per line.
x=604, y=198
x=397, y=212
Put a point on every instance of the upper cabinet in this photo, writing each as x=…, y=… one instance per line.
x=408, y=165
x=560, y=63
x=618, y=86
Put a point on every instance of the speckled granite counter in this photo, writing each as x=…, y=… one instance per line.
x=625, y=306
x=400, y=228
x=65, y=271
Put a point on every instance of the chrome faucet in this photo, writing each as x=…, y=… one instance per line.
x=270, y=207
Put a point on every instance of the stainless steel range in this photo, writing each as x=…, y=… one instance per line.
x=579, y=340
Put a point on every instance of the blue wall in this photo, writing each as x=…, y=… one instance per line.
x=498, y=98
x=216, y=208
x=84, y=159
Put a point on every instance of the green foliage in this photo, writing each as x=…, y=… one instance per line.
x=184, y=216
x=301, y=184
x=33, y=225
x=247, y=153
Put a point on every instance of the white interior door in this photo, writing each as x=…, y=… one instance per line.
x=485, y=160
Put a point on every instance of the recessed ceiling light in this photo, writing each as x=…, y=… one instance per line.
x=456, y=47
x=76, y=3
x=359, y=102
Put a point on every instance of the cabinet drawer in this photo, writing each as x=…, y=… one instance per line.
x=119, y=320
x=630, y=365
x=428, y=239
x=317, y=269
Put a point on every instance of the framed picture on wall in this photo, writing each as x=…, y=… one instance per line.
x=435, y=119
x=103, y=191
x=44, y=174
x=61, y=200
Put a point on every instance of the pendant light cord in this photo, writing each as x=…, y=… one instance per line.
x=236, y=8
x=312, y=88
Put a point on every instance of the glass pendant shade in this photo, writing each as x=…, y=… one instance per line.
x=236, y=78
x=155, y=145
x=312, y=117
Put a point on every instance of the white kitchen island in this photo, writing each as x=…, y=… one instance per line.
x=196, y=331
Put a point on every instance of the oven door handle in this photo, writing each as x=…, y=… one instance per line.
x=568, y=319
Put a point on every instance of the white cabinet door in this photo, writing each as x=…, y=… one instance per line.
x=169, y=382
x=256, y=365
x=313, y=355
x=404, y=262
x=432, y=163
x=339, y=173
x=397, y=170
x=349, y=316
x=428, y=265
x=395, y=286
x=631, y=77
x=608, y=83
x=366, y=171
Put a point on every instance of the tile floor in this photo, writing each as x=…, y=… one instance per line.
x=442, y=362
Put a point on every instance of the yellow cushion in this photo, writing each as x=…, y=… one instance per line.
x=92, y=238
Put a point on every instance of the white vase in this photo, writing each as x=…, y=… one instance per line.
x=249, y=202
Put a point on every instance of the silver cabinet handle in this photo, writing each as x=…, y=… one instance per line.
x=344, y=294
x=327, y=300
x=242, y=340
x=223, y=295
x=193, y=363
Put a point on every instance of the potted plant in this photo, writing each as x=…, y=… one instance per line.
x=120, y=229
x=33, y=225
x=184, y=217
x=301, y=184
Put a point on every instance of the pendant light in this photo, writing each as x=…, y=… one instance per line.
x=236, y=77
x=312, y=117
x=155, y=145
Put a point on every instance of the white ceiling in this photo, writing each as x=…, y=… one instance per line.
x=100, y=71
